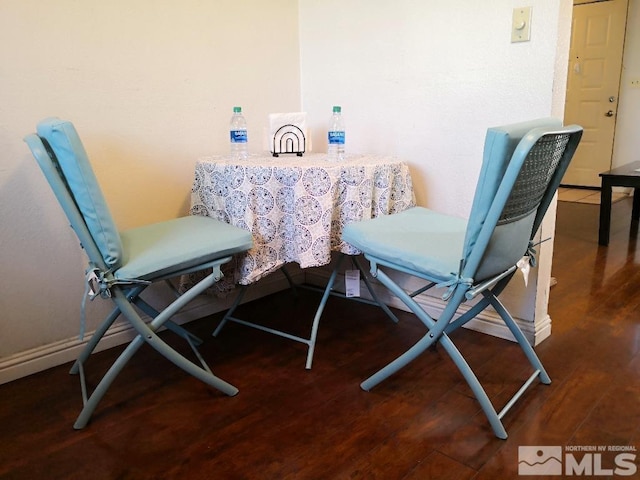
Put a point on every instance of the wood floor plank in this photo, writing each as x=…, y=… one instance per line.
x=441, y=467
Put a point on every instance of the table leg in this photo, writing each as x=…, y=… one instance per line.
x=605, y=212
x=635, y=213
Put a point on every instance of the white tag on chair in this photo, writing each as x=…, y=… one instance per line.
x=93, y=283
x=352, y=283
x=524, y=266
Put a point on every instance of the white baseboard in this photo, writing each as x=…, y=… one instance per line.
x=488, y=321
x=51, y=355
x=64, y=351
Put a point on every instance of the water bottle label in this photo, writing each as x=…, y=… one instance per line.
x=336, y=138
x=238, y=136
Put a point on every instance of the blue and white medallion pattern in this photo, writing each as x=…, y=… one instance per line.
x=296, y=207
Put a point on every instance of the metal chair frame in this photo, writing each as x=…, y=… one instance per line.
x=501, y=230
x=126, y=293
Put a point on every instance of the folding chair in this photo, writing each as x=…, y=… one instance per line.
x=122, y=265
x=522, y=168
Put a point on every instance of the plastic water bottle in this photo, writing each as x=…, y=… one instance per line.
x=238, y=134
x=336, y=135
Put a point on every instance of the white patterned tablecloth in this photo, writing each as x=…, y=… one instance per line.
x=296, y=207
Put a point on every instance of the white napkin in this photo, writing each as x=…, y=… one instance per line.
x=289, y=130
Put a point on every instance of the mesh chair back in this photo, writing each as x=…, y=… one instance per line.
x=534, y=177
x=524, y=195
x=499, y=147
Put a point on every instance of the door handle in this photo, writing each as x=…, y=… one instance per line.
x=609, y=113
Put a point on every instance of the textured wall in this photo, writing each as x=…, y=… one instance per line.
x=150, y=87
x=424, y=80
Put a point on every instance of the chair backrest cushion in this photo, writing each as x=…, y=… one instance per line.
x=499, y=146
x=528, y=182
x=66, y=145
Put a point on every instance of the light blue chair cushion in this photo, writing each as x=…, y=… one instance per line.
x=163, y=248
x=417, y=239
x=72, y=157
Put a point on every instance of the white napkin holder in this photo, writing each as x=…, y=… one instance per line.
x=288, y=133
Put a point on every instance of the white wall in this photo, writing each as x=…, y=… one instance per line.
x=424, y=80
x=150, y=87
x=626, y=145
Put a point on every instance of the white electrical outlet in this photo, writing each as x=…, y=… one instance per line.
x=635, y=82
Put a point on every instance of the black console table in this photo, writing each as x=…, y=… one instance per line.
x=625, y=176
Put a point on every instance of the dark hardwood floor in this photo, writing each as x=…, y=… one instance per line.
x=287, y=423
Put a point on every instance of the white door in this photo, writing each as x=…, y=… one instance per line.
x=595, y=63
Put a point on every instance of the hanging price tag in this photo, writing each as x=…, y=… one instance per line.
x=352, y=283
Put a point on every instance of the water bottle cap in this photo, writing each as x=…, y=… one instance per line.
x=237, y=109
x=337, y=109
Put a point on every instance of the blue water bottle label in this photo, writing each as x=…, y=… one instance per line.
x=238, y=136
x=336, y=138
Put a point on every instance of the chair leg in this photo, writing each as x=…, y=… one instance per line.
x=92, y=401
x=423, y=344
x=519, y=336
x=133, y=295
x=476, y=387
x=374, y=295
x=102, y=329
x=407, y=357
x=146, y=333
x=169, y=325
x=229, y=315
x=436, y=329
x=436, y=333
x=94, y=340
